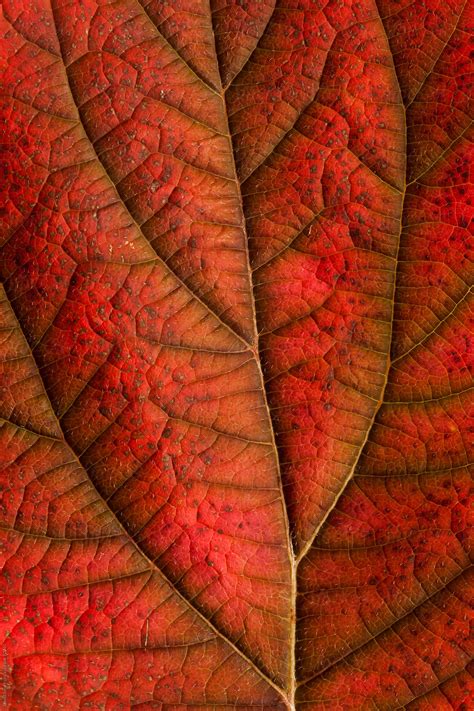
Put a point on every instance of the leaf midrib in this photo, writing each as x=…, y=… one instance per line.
x=253, y=348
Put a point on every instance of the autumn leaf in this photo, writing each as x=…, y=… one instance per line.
x=236, y=354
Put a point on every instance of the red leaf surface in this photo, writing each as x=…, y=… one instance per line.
x=236, y=354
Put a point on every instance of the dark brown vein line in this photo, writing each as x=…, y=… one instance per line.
x=257, y=46
x=140, y=231
x=152, y=567
x=144, y=11
x=444, y=152
x=289, y=546
x=438, y=685
x=440, y=54
x=352, y=470
x=389, y=627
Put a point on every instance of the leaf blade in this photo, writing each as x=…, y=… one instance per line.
x=149, y=354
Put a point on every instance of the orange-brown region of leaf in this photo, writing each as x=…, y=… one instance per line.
x=236, y=355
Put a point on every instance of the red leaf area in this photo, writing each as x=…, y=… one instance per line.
x=236, y=354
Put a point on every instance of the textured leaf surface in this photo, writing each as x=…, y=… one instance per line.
x=236, y=354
